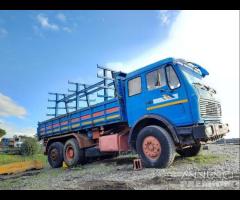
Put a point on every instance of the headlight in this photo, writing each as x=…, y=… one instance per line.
x=209, y=130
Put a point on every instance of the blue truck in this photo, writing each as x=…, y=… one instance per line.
x=157, y=111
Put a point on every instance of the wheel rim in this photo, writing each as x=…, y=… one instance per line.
x=151, y=147
x=69, y=153
x=54, y=154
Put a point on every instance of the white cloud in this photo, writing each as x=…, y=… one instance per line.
x=164, y=16
x=12, y=130
x=118, y=66
x=3, y=32
x=10, y=108
x=211, y=39
x=67, y=29
x=37, y=31
x=44, y=22
x=61, y=17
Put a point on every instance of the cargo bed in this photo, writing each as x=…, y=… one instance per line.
x=104, y=113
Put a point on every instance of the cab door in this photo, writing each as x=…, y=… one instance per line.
x=134, y=99
x=166, y=96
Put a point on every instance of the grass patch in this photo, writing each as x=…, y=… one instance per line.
x=203, y=159
x=9, y=184
x=7, y=159
x=128, y=155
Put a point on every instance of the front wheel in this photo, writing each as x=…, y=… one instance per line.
x=190, y=151
x=155, y=147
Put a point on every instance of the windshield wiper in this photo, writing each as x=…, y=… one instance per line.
x=211, y=89
x=207, y=87
x=197, y=83
x=200, y=84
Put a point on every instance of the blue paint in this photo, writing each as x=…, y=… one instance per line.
x=180, y=106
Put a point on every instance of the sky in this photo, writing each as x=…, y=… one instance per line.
x=41, y=50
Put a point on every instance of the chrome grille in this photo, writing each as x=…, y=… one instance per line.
x=210, y=108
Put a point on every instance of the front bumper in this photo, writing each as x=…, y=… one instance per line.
x=210, y=131
x=204, y=132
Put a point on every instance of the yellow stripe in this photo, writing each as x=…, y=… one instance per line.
x=167, y=104
x=98, y=120
x=113, y=116
x=75, y=125
x=56, y=129
x=64, y=128
x=88, y=122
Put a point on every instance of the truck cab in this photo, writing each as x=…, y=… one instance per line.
x=172, y=94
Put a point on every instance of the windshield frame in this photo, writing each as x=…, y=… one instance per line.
x=192, y=75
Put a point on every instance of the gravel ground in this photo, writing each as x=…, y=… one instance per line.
x=215, y=168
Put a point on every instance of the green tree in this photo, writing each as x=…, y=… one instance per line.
x=29, y=146
x=2, y=132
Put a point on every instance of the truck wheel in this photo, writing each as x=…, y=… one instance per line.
x=189, y=152
x=73, y=155
x=55, y=155
x=155, y=147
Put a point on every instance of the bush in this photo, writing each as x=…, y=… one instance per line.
x=2, y=132
x=29, y=147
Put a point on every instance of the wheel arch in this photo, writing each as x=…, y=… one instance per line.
x=148, y=120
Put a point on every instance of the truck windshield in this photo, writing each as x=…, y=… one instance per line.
x=192, y=74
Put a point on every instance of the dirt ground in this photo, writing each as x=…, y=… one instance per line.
x=215, y=168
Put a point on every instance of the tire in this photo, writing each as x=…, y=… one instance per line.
x=189, y=152
x=164, y=148
x=55, y=155
x=72, y=153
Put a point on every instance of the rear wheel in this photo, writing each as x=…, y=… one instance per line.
x=155, y=147
x=190, y=151
x=55, y=155
x=73, y=155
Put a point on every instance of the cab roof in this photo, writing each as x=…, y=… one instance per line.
x=149, y=67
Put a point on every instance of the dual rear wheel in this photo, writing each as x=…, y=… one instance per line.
x=69, y=152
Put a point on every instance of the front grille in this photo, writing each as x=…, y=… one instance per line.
x=210, y=108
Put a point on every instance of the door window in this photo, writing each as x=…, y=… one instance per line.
x=156, y=79
x=134, y=86
x=173, y=80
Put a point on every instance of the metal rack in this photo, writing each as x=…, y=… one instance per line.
x=81, y=93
